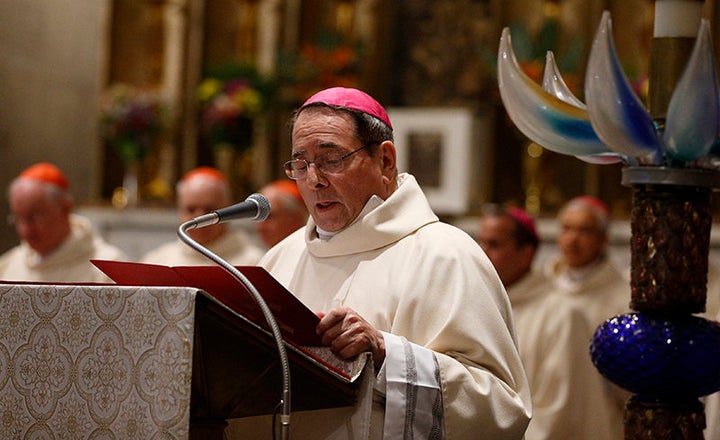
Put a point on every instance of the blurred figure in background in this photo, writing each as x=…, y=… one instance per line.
x=583, y=269
x=287, y=212
x=199, y=192
x=552, y=333
x=56, y=244
x=584, y=272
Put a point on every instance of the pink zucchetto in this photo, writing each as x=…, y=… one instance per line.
x=522, y=217
x=47, y=173
x=350, y=98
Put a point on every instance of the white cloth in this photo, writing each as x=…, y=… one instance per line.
x=412, y=276
x=412, y=390
x=70, y=262
x=565, y=387
x=600, y=293
x=712, y=417
x=712, y=302
x=234, y=247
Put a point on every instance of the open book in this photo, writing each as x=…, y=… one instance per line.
x=297, y=323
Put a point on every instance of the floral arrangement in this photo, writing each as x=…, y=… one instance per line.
x=230, y=101
x=532, y=48
x=131, y=119
x=333, y=59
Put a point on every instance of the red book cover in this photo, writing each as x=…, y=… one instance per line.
x=297, y=323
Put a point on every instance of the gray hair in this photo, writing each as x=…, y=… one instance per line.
x=223, y=185
x=592, y=205
x=53, y=193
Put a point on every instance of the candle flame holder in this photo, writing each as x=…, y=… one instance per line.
x=662, y=353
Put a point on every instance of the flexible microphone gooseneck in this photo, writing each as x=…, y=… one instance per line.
x=257, y=208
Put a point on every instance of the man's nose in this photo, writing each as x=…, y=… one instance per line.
x=315, y=176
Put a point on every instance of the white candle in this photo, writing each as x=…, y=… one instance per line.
x=677, y=18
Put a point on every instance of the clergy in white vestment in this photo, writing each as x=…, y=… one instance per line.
x=585, y=273
x=56, y=245
x=567, y=392
x=389, y=278
x=200, y=191
x=288, y=213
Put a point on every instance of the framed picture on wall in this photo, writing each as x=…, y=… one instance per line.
x=435, y=145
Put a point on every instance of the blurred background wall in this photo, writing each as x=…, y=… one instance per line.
x=61, y=59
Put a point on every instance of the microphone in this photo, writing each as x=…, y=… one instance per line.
x=256, y=207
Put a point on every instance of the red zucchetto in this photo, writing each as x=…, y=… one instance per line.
x=591, y=202
x=288, y=187
x=208, y=172
x=47, y=173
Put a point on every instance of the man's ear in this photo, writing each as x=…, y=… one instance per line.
x=528, y=254
x=387, y=155
x=66, y=206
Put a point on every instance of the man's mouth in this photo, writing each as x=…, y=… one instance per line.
x=324, y=205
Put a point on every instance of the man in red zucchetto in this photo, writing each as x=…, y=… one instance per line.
x=200, y=191
x=288, y=212
x=56, y=245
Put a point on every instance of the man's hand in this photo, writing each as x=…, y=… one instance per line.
x=348, y=334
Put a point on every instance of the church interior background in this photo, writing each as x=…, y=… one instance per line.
x=70, y=68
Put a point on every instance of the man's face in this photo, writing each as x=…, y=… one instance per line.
x=43, y=223
x=581, y=241
x=282, y=220
x=198, y=197
x=335, y=200
x=496, y=238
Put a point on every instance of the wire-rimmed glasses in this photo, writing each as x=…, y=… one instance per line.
x=330, y=163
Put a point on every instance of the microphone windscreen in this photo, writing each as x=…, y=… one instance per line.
x=263, y=206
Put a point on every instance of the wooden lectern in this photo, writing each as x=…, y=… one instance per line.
x=237, y=373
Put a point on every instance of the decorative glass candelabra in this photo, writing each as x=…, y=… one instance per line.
x=662, y=353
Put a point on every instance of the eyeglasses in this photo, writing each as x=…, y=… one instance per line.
x=28, y=220
x=330, y=163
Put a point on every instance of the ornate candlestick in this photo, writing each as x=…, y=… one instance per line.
x=662, y=353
